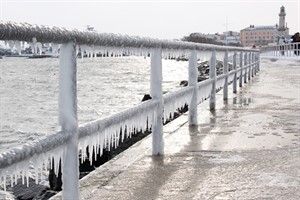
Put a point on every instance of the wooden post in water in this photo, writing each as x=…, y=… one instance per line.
x=156, y=93
x=68, y=119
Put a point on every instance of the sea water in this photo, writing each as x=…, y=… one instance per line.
x=29, y=92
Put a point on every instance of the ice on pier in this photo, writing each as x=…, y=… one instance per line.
x=18, y=47
x=231, y=76
x=11, y=44
x=204, y=89
x=176, y=100
x=36, y=167
x=40, y=47
x=55, y=48
x=220, y=82
x=109, y=132
x=34, y=45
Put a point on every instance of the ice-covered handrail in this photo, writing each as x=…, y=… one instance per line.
x=175, y=100
x=287, y=50
x=95, y=126
x=44, y=34
x=27, y=151
x=58, y=139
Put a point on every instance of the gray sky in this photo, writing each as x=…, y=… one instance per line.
x=169, y=19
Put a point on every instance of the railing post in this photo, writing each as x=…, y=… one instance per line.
x=258, y=63
x=156, y=93
x=241, y=74
x=225, y=71
x=250, y=65
x=255, y=60
x=212, y=75
x=193, y=79
x=68, y=119
x=253, y=64
x=245, y=65
x=234, y=84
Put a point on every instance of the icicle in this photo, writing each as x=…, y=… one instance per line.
x=23, y=176
x=77, y=50
x=11, y=180
x=16, y=178
x=11, y=44
x=4, y=185
x=18, y=47
x=34, y=45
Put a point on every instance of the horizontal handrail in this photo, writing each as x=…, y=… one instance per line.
x=58, y=139
x=44, y=34
x=289, y=49
x=182, y=96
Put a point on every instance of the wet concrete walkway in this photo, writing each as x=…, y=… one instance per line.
x=249, y=148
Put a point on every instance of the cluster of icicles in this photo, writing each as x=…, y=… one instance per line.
x=107, y=51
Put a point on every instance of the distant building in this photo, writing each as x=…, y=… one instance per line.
x=230, y=38
x=263, y=35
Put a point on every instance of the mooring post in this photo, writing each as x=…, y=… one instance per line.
x=212, y=75
x=241, y=74
x=68, y=119
x=193, y=80
x=234, y=84
x=156, y=93
x=225, y=71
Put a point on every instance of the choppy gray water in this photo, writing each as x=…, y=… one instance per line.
x=29, y=92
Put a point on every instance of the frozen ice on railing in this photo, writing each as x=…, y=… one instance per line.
x=18, y=47
x=176, y=100
x=220, y=82
x=39, y=46
x=231, y=76
x=106, y=133
x=25, y=32
x=23, y=169
x=11, y=44
x=34, y=45
x=204, y=89
x=54, y=48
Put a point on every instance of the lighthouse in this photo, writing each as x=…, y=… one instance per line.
x=282, y=28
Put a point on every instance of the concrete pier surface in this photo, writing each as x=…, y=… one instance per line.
x=248, y=148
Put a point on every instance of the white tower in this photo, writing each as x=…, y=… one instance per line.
x=282, y=19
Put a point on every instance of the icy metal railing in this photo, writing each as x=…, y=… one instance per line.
x=105, y=133
x=286, y=50
x=43, y=34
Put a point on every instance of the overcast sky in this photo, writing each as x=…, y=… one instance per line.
x=169, y=19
